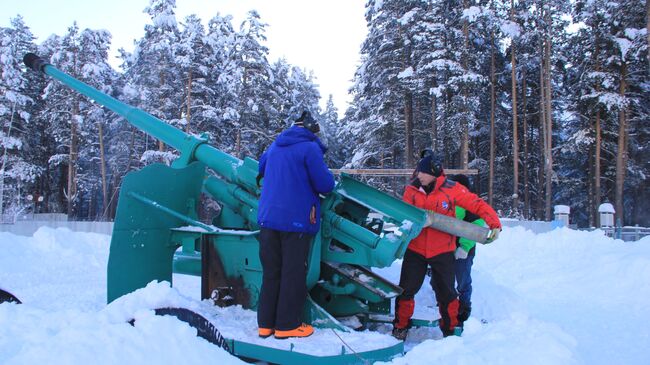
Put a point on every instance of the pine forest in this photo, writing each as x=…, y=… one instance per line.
x=548, y=100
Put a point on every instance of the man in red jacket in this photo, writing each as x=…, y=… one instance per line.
x=431, y=190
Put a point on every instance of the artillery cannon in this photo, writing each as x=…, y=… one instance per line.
x=157, y=232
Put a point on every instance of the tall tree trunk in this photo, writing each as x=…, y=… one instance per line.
x=542, y=132
x=4, y=160
x=113, y=201
x=597, y=147
x=434, y=127
x=45, y=189
x=91, y=205
x=188, y=101
x=590, y=186
x=102, y=167
x=525, y=142
x=117, y=177
x=621, y=155
x=61, y=203
x=161, y=78
x=515, y=131
x=72, y=161
x=408, y=127
x=464, y=144
x=238, y=143
x=647, y=26
x=549, y=129
x=492, y=127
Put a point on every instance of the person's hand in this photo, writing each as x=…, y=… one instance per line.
x=460, y=254
x=493, y=235
x=312, y=215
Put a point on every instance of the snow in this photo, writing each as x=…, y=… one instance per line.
x=606, y=208
x=510, y=29
x=624, y=45
x=406, y=73
x=165, y=21
x=406, y=225
x=472, y=13
x=611, y=101
x=359, y=155
x=632, y=33
x=379, y=4
x=437, y=91
x=215, y=229
x=406, y=18
x=10, y=142
x=562, y=209
x=561, y=297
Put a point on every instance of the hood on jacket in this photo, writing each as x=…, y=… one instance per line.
x=296, y=135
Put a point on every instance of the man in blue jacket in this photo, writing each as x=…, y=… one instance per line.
x=289, y=216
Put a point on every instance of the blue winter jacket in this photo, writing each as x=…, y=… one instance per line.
x=294, y=174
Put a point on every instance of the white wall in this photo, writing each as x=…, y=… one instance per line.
x=27, y=228
x=533, y=226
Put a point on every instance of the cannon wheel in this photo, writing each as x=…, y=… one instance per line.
x=204, y=328
x=5, y=296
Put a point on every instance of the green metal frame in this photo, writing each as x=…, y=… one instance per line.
x=141, y=249
x=278, y=356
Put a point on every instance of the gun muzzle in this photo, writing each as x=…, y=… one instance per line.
x=34, y=62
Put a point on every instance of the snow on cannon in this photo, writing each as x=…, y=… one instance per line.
x=157, y=232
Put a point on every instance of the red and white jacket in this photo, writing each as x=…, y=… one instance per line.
x=443, y=199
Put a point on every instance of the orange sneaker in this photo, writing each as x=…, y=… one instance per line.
x=265, y=332
x=304, y=330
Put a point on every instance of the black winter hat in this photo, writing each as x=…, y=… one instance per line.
x=307, y=121
x=431, y=164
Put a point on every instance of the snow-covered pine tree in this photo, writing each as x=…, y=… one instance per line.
x=628, y=34
x=303, y=93
x=282, y=93
x=63, y=111
x=594, y=88
x=609, y=41
x=330, y=127
x=220, y=112
x=522, y=31
x=252, y=66
x=479, y=61
x=152, y=73
x=378, y=122
x=190, y=55
x=76, y=123
x=16, y=171
x=95, y=71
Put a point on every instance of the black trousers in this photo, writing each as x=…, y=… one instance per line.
x=284, y=288
x=414, y=270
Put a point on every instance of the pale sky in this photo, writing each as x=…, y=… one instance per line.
x=323, y=36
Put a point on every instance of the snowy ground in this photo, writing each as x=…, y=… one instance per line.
x=564, y=297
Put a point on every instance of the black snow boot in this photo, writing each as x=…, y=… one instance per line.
x=464, y=311
x=400, y=333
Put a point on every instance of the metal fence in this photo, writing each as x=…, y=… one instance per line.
x=627, y=233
